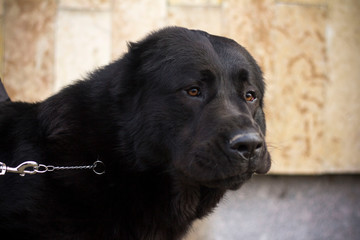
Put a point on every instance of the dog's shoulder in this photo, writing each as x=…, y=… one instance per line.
x=15, y=112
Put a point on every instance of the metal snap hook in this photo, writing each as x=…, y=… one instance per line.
x=28, y=167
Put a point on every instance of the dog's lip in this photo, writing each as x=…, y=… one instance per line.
x=231, y=182
x=263, y=170
x=265, y=166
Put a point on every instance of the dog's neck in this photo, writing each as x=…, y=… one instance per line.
x=148, y=196
x=182, y=204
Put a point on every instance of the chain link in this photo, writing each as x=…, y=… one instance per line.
x=28, y=167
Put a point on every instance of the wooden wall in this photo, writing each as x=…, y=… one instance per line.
x=309, y=51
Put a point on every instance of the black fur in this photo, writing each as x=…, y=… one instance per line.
x=167, y=154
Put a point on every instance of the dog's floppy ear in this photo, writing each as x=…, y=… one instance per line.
x=139, y=62
x=148, y=58
x=145, y=55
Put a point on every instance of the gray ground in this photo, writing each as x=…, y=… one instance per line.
x=287, y=207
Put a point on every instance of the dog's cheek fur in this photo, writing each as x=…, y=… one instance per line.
x=154, y=130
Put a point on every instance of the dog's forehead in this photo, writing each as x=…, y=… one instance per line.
x=231, y=54
x=201, y=51
x=234, y=59
x=183, y=54
x=216, y=50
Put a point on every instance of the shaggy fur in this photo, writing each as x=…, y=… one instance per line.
x=177, y=121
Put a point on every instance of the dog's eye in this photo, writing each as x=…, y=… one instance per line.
x=250, y=96
x=194, y=92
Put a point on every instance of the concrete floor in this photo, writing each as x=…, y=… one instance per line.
x=287, y=207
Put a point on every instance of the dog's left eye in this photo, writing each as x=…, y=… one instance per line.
x=194, y=92
x=250, y=96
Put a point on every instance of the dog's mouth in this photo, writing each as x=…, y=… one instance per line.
x=212, y=168
x=232, y=183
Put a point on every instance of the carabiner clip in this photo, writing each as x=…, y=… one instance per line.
x=28, y=167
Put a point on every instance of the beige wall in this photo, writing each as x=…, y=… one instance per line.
x=309, y=51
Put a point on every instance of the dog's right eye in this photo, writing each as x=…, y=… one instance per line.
x=250, y=96
x=193, y=92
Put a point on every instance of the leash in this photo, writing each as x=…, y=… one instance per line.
x=31, y=168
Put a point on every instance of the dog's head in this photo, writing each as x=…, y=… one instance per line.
x=197, y=107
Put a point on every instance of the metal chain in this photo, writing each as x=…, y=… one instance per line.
x=31, y=167
x=50, y=168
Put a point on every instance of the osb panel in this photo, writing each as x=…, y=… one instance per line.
x=195, y=2
x=85, y=4
x=205, y=18
x=131, y=20
x=1, y=7
x=303, y=2
x=1, y=48
x=83, y=42
x=296, y=93
x=29, y=44
x=200, y=229
x=251, y=24
x=342, y=115
x=308, y=51
x=1, y=40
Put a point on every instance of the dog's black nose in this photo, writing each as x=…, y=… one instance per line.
x=247, y=144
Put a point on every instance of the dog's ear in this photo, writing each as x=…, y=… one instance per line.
x=145, y=55
x=148, y=58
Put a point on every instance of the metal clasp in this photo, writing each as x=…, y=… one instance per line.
x=98, y=167
x=2, y=168
x=29, y=167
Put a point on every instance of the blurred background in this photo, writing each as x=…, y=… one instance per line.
x=309, y=51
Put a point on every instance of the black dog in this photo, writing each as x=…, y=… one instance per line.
x=177, y=121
